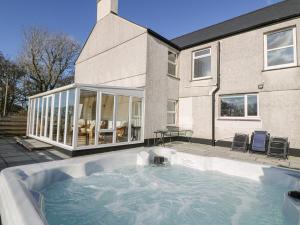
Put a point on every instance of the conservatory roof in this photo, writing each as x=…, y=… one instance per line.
x=76, y=85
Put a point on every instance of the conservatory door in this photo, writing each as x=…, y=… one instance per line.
x=47, y=115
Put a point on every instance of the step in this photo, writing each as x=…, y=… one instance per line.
x=9, y=128
x=13, y=120
x=12, y=131
x=32, y=144
x=8, y=124
x=12, y=134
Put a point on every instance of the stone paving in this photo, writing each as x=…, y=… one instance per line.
x=207, y=150
x=12, y=154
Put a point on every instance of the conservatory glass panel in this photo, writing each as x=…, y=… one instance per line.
x=55, y=116
x=107, y=112
x=106, y=137
x=36, y=116
x=49, y=113
x=107, y=119
x=43, y=117
x=39, y=117
x=30, y=115
x=104, y=116
x=70, y=117
x=33, y=121
x=122, y=118
x=87, y=118
x=136, y=119
x=61, y=128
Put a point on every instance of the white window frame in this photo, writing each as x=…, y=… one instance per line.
x=135, y=107
x=199, y=57
x=245, y=106
x=172, y=112
x=33, y=120
x=114, y=115
x=99, y=90
x=37, y=116
x=266, y=50
x=169, y=61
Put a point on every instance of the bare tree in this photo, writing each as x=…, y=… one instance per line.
x=11, y=96
x=48, y=59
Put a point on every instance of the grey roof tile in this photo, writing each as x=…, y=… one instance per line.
x=271, y=14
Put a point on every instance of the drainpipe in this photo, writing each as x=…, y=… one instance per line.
x=213, y=116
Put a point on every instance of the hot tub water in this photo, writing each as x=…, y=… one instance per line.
x=163, y=195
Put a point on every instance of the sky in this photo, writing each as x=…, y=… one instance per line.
x=170, y=18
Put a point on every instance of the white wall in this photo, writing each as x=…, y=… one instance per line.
x=242, y=70
x=159, y=86
x=114, y=54
x=185, y=113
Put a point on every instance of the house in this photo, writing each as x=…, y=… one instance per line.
x=236, y=76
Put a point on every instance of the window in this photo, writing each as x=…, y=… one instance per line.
x=239, y=106
x=107, y=119
x=172, y=64
x=70, y=118
x=62, y=114
x=280, y=49
x=38, y=116
x=136, y=120
x=87, y=118
x=202, y=63
x=122, y=118
x=55, y=117
x=171, y=116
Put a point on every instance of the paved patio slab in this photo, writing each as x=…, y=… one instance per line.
x=33, y=145
x=12, y=154
x=207, y=150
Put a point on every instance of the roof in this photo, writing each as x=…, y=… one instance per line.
x=152, y=32
x=278, y=12
x=80, y=85
x=163, y=39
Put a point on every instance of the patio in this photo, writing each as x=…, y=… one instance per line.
x=222, y=152
x=12, y=154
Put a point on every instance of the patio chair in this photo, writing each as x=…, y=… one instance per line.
x=259, y=141
x=173, y=131
x=278, y=146
x=188, y=134
x=240, y=142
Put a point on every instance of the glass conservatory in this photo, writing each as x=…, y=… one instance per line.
x=77, y=116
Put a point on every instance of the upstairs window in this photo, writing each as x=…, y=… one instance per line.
x=171, y=110
x=280, y=49
x=202, y=64
x=239, y=106
x=172, y=64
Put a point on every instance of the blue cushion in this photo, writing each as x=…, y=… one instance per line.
x=259, y=141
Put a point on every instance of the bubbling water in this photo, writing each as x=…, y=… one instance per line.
x=172, y=195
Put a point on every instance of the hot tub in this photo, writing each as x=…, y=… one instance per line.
x=125, y=188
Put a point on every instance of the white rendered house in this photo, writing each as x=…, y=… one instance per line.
x=237, y=76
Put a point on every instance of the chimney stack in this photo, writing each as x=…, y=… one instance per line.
x=105, y=7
